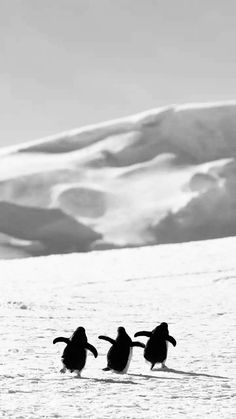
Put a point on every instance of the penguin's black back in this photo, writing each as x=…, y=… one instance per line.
x=74, y=356
x=118, y=354
x=156, y=347
x=118, y=357
x=155, y=350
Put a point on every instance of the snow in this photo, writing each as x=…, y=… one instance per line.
x=165, y=175
x=191, y=286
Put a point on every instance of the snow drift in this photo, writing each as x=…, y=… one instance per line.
x=162, y=176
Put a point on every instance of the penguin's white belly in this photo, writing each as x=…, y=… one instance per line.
x=128, y=362
x=167, y=343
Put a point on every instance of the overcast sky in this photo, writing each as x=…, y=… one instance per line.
x=67, y=63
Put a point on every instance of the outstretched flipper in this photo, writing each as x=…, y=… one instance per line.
x=143, y=333
x=139, y=344
x=61, y=339
x=92, y=349
x=171, y=340
x=110, y=340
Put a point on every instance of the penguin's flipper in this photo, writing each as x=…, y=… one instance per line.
x=139, y=344
x=112, y=341
x=171, y=340
x=61, y=339
x=92, y=349
x=143, y=333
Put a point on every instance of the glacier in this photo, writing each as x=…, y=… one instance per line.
x=166, y=175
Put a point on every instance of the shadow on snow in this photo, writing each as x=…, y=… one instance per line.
x=153, y=376
x=106, y=380
x=188, y=373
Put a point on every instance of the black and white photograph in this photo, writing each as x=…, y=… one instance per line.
x=117, y=209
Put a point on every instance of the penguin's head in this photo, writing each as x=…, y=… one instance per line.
x=162, y=329
x=79, y=335
x=164, y=326
x=123, y=337
x=121, y=331
x=121, y=334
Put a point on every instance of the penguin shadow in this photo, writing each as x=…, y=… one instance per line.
x=155, y=377
x=106, y=380
x=188, y=373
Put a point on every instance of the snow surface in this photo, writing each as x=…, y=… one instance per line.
x=162, y=176
x=191, y=286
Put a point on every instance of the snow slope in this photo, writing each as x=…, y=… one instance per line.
x=190, y=285
x=166, y=175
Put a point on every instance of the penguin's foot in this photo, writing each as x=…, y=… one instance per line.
x=106, y=369
x=152, y=366
x=63, y=370
x=78, y=373
x=163, y=366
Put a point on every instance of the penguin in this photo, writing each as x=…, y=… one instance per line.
x=157, y=345
x=119, y=355
x=75, y=353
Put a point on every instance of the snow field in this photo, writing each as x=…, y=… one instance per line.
x=190, y=286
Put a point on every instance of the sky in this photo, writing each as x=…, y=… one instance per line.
x=69, y=63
